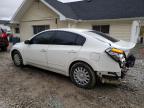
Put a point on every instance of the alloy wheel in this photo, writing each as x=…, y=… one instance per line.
x=81, y=76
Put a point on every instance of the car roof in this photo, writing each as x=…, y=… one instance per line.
x=75, y=30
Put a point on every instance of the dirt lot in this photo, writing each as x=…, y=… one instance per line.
x=30, y=87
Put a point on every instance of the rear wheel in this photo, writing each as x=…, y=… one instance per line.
x=82, y=75
x=17, y=59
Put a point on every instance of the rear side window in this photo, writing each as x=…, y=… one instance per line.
x=67, y=38
x=80, y=40
x=43, y=38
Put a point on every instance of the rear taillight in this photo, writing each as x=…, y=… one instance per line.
x=118, y=55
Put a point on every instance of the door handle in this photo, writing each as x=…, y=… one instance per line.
x=43, y=50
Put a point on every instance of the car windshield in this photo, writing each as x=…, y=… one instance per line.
x=102, y=35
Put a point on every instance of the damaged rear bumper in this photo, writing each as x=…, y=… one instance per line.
x=113, y=77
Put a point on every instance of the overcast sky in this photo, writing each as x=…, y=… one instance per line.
x=8, y=7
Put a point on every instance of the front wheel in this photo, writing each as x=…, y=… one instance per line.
x=82, y=75
x=17, y=59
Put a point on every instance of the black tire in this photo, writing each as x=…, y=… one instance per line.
x=85, y=73
x=17, y=59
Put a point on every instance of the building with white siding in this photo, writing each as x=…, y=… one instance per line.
x=118, y=18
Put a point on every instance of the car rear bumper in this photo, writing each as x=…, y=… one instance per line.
x=130, y=62
x=3, y=44
x=114, y=76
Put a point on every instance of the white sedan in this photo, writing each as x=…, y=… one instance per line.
x=83, y=55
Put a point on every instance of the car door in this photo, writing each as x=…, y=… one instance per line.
x=36, y=51
x=63, y=49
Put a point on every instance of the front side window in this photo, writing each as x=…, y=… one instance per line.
x=102, y=28
x=66, y=38
x=39, y=28
x=42, y=38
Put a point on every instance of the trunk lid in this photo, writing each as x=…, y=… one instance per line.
x=124, y=45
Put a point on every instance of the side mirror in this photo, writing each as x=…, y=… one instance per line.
x=27, y=41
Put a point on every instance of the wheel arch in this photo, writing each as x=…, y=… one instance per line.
x=12, y=52
x=77, y=61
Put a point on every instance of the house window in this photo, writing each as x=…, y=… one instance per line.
x=39, y=28
x=142, y=31
x=17, y=30
x=102, y=28
x=37, y=1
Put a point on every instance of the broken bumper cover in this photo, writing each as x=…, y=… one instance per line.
x=130, y=62
x=125, y=65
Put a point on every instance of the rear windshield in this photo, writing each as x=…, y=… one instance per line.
x=104, y=36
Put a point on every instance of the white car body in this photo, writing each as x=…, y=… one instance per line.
x=58, y=58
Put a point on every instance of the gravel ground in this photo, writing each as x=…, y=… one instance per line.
x=30, y=87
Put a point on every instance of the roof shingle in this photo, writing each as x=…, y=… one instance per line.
x=100, y=9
